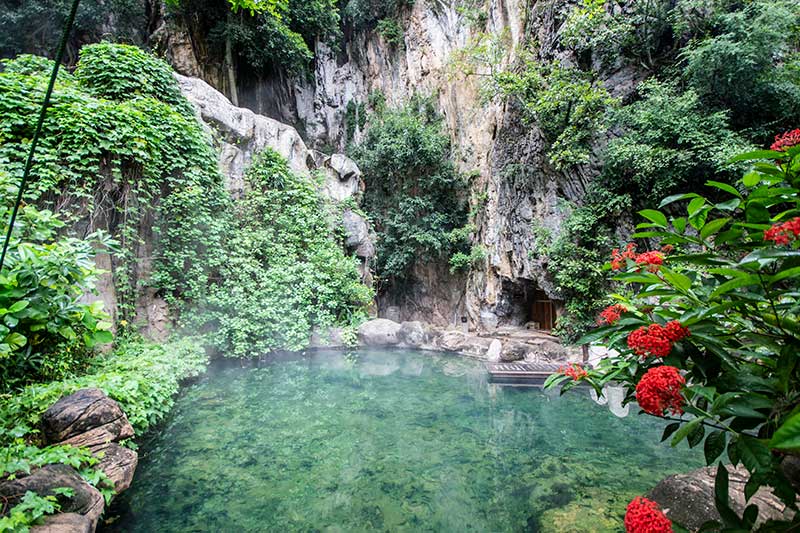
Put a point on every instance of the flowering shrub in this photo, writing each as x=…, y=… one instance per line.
x=574, y=371
x=644, y=516
x=786, y=140
x=711, y=330
x=659, y=390
x=610, y=314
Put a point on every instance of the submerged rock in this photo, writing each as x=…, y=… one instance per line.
x=379, y=332
x=688, y=499
x=86, y=418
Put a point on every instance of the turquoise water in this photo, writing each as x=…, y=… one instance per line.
x=388, y=441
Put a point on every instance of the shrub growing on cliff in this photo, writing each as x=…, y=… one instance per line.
x=707, y=328
x=46, y=331
x=108, y=142
x=283, y=272
x=414, y=194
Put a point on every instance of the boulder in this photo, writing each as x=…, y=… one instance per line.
x=514, y=351
x=453, y=341
x=688, y=499
x=65, y=523
x=118, y=463
x=86, y=500
x=345, y=168
x=85, y=418
x=494, y=351
x=379, y=332
x=412, y=334
x=357, y=235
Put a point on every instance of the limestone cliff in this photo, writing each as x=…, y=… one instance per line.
x=515, y=184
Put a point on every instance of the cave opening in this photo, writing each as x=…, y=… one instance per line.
x=526, y=304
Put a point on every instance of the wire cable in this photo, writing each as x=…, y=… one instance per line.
x=29, y=162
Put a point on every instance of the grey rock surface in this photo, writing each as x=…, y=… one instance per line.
x=379, y=332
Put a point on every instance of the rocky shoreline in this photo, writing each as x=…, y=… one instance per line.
x=502, y=344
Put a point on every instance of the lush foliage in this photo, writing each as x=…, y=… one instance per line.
x=707, y=326
x=263, y=35
x=119, y=133
x=362, y=13
x=565, y=103
x=671, y=141
x=283, y=272
x=414, y=194
x=141, y=376
x=35, y=26
x=46, y=329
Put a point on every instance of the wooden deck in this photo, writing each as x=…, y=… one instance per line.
x=521, y=373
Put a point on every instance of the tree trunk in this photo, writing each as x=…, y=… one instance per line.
x=230, y=68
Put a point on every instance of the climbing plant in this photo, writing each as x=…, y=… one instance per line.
x=120, y=149
x=284, y=273
x=414, y=194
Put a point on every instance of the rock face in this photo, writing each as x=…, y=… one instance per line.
x=688, y=499
x=86, y=500
x=86, y=418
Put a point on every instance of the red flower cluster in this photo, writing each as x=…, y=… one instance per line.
x=659, y=390
x=619, y=259
x=574, y=370
x=611, y=314
x=652, y=259
x=644, y=516
x=656, y=340
x=784, y=141
x=783, y=233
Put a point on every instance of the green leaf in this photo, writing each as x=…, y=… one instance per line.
x=679, y=223
x=685, y=429
x=725, y=187
x=15, y=340
x=695, y=205
x=711, y=228
x=751, y=179
x=714, y=446
x=103, y=337
x=669, y=430
x=677, y=197
x=676, y=279
x=787, y=437
x=19, y=306
x=754, y=454
x=757, y=154
x=654, y=216
x=728, y=286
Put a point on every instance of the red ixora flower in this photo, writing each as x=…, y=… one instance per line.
x=786, y=140
x=659, y=390
x=652, y=259
x=611, y=314
x=574, y=370
x=656, y=340
x=619, y=259
x=644, y=516
x=784, y=232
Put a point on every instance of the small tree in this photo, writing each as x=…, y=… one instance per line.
x=708, y=330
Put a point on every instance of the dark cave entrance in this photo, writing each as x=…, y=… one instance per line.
x=525, y=304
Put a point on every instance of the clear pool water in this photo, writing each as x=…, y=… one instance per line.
x=388, y=441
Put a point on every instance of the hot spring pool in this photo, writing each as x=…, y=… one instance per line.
x=388, y=441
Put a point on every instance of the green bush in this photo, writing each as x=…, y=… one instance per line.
x=283, y=273
x=565, y=102
x=414, y=194
x=749, y=65
x=142, y=376
x=122, y=72
x=46, y=331
x=145, y=146
x=669, y=140
x=363, y=13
